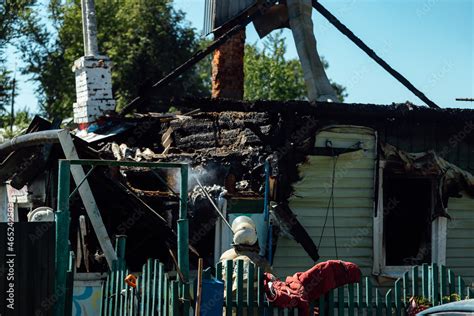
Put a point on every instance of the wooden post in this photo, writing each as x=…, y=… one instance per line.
x=87, y=198
x=199, y=288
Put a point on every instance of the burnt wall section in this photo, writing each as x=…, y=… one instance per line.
x=448, y=131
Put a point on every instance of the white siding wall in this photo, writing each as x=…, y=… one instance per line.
x=353, y=202
x=460, y=237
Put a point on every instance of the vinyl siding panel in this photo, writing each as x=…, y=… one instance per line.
x=353, y=202
x=460, y=237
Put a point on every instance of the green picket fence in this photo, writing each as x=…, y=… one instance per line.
x=159, y=294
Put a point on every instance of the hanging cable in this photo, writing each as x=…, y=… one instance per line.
x=331, y=205
x=333, y=216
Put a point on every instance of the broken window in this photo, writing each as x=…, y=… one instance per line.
x=407, y=214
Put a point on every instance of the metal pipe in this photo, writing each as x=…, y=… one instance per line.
x=183, y=237
x=212, y=203
x=266, y=211
x=90, y=22
x=31, y=139
x=62, y=237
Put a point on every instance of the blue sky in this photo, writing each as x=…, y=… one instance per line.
x=431, y=42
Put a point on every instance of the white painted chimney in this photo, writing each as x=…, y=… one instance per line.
x=93, y=74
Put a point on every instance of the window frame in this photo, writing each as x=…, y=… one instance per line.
x=438, y=236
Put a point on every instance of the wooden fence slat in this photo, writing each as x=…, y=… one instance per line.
x=435, y=283
x=250, y=289
x=424, y=281
x=111, y=311
x=350, y=289
x=141, y=286
x=121, y=283
x=125, y=299
x=443, y=282
x=360, y=298
x=105, y=295
x=260, y=291
x=229, y=269
x=398, y=297
x=166, y=297
x=388, y=303
x=368, y=295
x=331, y=303
x=340, y=301
x=405, y=287
x=452, y=282
x=378, y=302
x=414, y=281
x=161, y=288
x=146, y=293
x=174, y=298
x=322, y=305
x=240, y=287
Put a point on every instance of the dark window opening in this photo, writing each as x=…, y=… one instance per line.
x=407, y=220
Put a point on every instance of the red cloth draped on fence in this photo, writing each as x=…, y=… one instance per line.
x=303, y=287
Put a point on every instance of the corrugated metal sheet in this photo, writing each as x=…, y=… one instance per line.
x=354, y=202
x=460, y=238
x=218, y=12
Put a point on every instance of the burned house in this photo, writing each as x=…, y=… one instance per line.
x=386, y=187
x=339, y=173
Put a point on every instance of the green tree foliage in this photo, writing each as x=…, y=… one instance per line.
x=12, y=14
x=22, y=120
x=145, y=39
x=270, y=76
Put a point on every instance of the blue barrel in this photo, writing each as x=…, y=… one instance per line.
x=212, y=297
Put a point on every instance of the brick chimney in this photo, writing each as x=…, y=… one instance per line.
x=93, y=74
x=228, y=68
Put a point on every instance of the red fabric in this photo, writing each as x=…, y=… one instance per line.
x=303, y=287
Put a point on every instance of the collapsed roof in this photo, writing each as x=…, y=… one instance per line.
x=226, y=143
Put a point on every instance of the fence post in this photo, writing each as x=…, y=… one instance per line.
x=240, y=286
x=452, y=282
x=166, y=295
x=414, y=281
x=435, y=283
x=340, y=301
x=174, y=298
x=405, y=288
x=350, y=289
x=229, y=269
x=378, y=302
x=443, y=284
x=331, y=303
x=62, y=237
x=388, y=303
x=161, y=288
x=398, y=292
x=424, y=281
x=260, y=292
x=250, y=289
x=368, y=295
x=322, y=305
